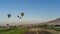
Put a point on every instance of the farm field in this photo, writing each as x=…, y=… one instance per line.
x=28, y=30
x=51, y=28
x=13, y=31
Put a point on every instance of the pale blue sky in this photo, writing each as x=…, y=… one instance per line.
x=35, y=10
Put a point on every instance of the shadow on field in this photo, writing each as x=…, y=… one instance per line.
x=30, y=32
x=44, y=32
x=39, y=32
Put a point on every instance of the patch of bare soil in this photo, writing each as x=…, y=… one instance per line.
x=41, y=31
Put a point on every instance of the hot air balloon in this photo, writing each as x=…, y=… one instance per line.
x=8, y=26
x=18, y=16
x=9, y=15
x=22, y=14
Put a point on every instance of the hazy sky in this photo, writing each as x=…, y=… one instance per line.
x=36, y=11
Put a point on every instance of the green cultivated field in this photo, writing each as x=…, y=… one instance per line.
x=13, y=31
x=52, y=28
x=22, y=30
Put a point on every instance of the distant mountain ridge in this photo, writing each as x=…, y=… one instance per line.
x=55, y=22
x=52, y=22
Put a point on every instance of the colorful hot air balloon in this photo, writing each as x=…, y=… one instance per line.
x=9, y=15
x=22, y=14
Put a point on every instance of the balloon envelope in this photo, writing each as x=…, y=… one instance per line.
x=7, y=24
x=9, y=15
x=18, y=16
x=22, y=14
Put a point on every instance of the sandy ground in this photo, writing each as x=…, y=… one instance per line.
x=41, y=31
